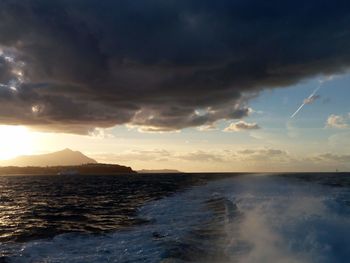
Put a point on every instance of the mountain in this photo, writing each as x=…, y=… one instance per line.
x=65, y=157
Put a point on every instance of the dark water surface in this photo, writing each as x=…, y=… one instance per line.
x=175, y=218
x=33, y=207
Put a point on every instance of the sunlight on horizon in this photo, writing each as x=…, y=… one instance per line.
x=15, y=141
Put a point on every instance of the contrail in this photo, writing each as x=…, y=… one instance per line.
x=309, y=100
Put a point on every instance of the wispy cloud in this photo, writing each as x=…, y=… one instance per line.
x=242, y=126
x=202, y=156
x=248, y=159
x=157, y=155
x=263, y=154
x=331, y=157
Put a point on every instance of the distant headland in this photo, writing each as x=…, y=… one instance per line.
x=62, y=162
x=66, y=162
x=84, y=169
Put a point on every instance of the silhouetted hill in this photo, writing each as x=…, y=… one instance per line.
x=65, y=157
x=85, y=169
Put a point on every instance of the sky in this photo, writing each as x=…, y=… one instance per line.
x=188, y=85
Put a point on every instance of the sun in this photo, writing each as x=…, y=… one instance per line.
x=14, y=141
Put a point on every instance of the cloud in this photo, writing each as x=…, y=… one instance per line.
x=210, y=127
x=330, y=157
x=264, y=154
x=102, y=133
x=340, y=140
x=241, y=126
x=248, y=159
x=202, y=156
x=222, y=156
x=155, y=64
x=336, y=121
x=157, y=155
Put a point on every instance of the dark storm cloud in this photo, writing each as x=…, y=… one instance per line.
x=161, y=64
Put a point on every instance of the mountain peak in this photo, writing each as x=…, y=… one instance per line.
x=64, y=157
x=68, y=150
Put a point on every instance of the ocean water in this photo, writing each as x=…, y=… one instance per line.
x=176, y=218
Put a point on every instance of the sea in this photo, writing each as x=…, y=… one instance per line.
x=283, y=218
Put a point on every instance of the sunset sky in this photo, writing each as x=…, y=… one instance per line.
x=188, y=85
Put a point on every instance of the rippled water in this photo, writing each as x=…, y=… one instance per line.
x=175, y=218
x=33, y=207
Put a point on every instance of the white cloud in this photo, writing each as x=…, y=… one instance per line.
x=336, y=121
x=210, y=127
x=241, y=126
